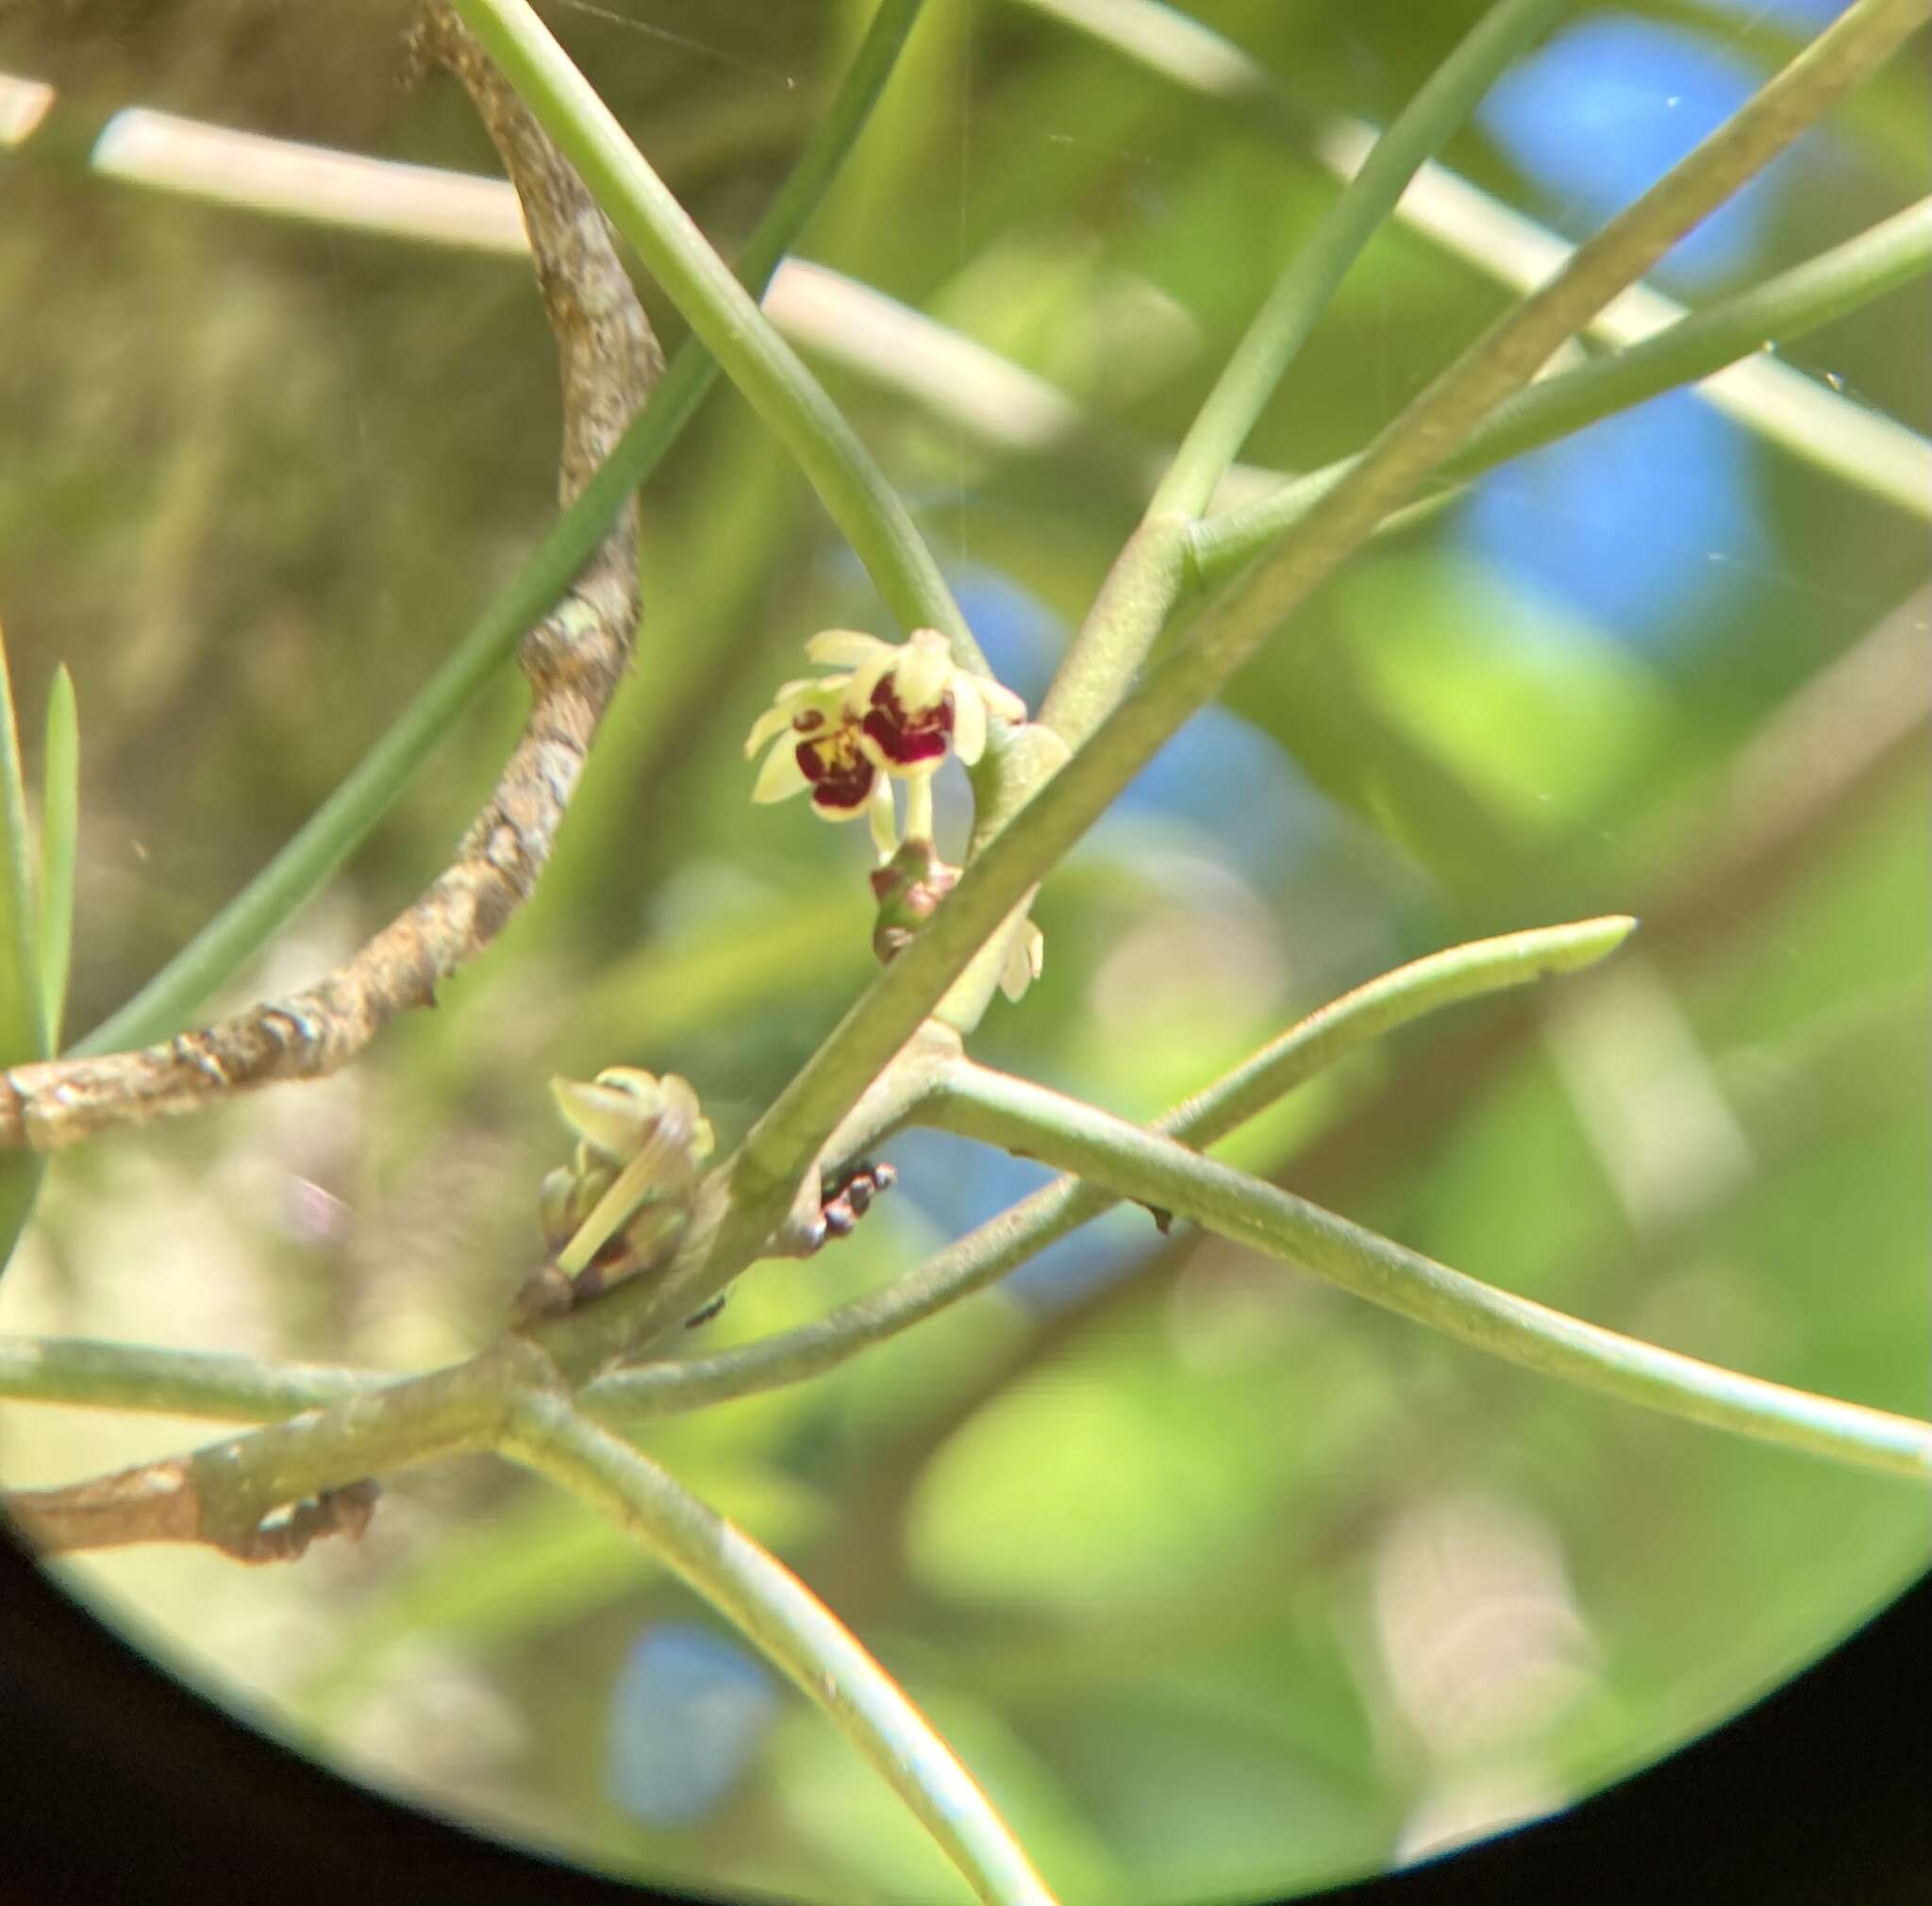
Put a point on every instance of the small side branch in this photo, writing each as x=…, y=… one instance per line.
x=1139, y=1164
x=573, y=659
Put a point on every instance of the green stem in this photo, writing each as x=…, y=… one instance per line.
x=1858, y=447
x=24, y=1028
x=1304, y=291
x=1432, y=429
x=773, y=1610
x=1147, y=579
x=1782, y=309
x=1440, y=422
x=22, y=991
x=334, y=831
x=1006, y=1242
x=206, y=1384
x=59, y=847
x=757, y=359
x=1135, y=1164
x=1133, y=607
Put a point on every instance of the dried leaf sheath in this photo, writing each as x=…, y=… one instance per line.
x=572, y=659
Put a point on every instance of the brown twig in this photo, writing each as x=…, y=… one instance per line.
x=573, y=659
x=163, y=1502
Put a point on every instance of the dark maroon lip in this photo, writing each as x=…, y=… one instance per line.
x=905, y=746
x=907, y=740
x=840, y=783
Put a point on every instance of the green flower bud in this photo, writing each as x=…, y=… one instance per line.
x=640, y=1142
x=653, y=1234
x=554, y=1207
x=615, y=1114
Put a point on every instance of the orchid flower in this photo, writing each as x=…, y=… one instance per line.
x=847, y=735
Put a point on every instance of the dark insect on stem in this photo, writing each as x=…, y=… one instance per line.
x=705, y=1312
x=844, y=1197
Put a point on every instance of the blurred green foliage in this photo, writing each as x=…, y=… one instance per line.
x=1218, y=1582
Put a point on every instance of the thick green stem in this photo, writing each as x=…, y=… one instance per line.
x=773, y=1610
x=1440, y=420
x=1149, y=575
x=1783, y=308
x=1006, y=1242
x=367, y=1432
x=333, y=832
x=227, y=1492
x=755, y=358
x=1139, y=1164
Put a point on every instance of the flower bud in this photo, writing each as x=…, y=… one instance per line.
x=614, y=1113
x=909, y=887
x=652, y=1235
x=554, y=1207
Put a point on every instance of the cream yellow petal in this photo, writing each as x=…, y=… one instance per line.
x=773, y=721
x=846, y=644
x=860, y=683
x=609, y=1119
x=1015, y=973
x=924, y=668
x=681, y=1105
x=1000, y=699
x=969, y=719
x=1024, y=962
x=781, y=776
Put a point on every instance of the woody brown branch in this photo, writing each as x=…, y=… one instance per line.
x=264, y=1494
x=164, y=1502
x=573, y=659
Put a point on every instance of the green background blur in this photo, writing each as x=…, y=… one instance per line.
x=1219, y=1581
